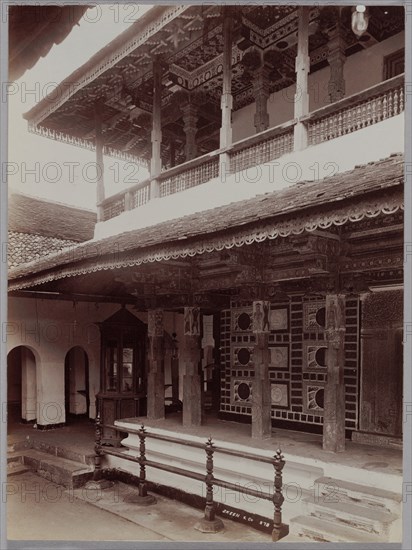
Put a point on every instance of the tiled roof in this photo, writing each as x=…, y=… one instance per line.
x=23, y=248
x=358, y=191
x=36, y=216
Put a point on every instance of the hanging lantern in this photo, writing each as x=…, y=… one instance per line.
x=360, y=19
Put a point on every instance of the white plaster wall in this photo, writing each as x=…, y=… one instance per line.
x=77, y=380
x=48, y=328
x=51, y=328
x=314, y=163
x=29, y=386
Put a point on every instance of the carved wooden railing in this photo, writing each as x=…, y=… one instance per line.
x=189, y=174
x=129, y=199
x=113, y=206
x=261, y=148
x=385, y=100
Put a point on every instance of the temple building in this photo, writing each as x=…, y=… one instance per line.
x=254, y=280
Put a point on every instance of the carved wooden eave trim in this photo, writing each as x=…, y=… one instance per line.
x=92, y=257
x=121, y=46
x=86, y=144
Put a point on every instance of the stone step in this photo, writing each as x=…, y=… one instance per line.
x=371, y=520
x=60, y=470
x=15, y=464
x=62, y=452
x=14, y=457
x=354, y=493
x=321, y=530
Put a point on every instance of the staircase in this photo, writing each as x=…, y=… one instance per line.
x=342, y=511
x=56, y=464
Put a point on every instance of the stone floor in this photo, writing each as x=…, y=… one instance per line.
x=41, y=510
x=380, y=465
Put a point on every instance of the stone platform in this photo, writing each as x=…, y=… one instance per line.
x=320, y=487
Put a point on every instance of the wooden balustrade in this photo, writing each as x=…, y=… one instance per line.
x=262, y=147
x=189, y=174
x=112, y=207
x=382, y=101
x=353, y=113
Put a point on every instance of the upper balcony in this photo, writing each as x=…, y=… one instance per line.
x=355, y=130
x=222, y=103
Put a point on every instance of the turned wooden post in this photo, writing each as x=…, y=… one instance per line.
x=302, y=70
x=97, y=449
x=209, y=523
x=100, y=193
x=278, y=498
x=142, y=497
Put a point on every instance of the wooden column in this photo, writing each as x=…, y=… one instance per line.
x=100, y=195
x=156, y=136
x=175, y=370
x=261, y=95
x=192, y=390
x=334, y=404
x=302, y=67
x=336, y=60
x=156, y=374
x=190, y=128
x=261, y=391
x=227, y=98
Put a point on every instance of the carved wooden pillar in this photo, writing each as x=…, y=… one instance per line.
x=172, y=151
x=156, y=136
x=302, y=67
x=100, y=195
x=156, y=375
x=334, y=404
x=192, y=391
x=261, y=392
x=175, y=370
x=261, y=95
x=227, y=98
x=336, y=60
x=190, y=128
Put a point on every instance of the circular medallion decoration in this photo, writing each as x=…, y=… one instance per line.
x=243, y=391
x=320, y=357
x=243, y=356
x=276, y=395
x=320, y=398
x=321, y=317
x=244, y=321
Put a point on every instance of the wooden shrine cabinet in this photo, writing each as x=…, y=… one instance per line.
x=122, y=371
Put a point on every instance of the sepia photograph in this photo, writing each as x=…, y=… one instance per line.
x=204, y=319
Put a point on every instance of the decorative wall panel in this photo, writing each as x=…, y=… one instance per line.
x=297, y=359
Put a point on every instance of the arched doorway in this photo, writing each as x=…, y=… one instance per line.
x=76, y=384
x=21, y=385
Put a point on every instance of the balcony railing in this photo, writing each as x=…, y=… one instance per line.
x=262, y=147
x=357, y=111
x=380, y=102
x=189, y=174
